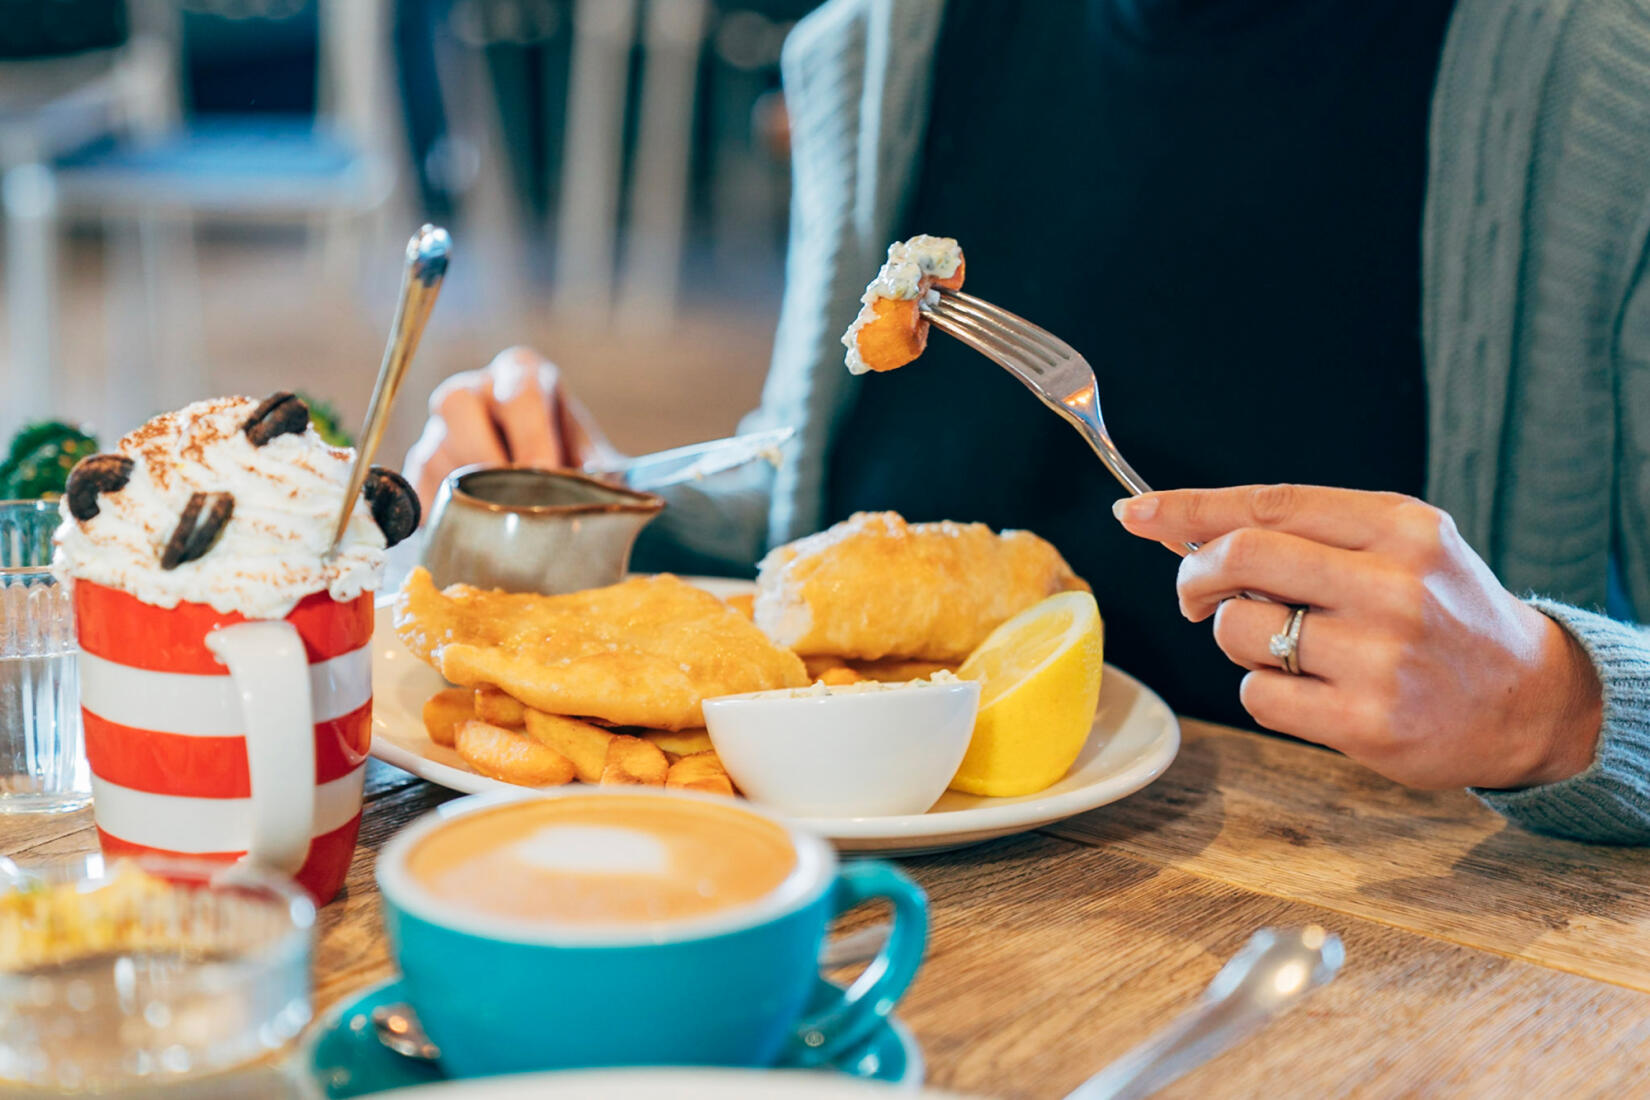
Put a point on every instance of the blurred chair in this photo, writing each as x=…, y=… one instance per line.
x=488, y=151
x=582, y=131
x=657, y=231
x=70, y=73
x=594, y=216
x=154, y=182
x=587, y=220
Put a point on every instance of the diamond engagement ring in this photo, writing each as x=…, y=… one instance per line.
x=1286, y=643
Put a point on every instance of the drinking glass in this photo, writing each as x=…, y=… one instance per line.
x=42, y=752
x=198, y=990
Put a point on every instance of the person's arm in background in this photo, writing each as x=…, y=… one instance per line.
x=1610, y=799
x=516, y=411
x=851, y=167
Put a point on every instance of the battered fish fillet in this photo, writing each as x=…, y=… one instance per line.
x=875, y=586
x=645, y=652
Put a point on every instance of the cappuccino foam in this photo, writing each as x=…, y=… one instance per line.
x=597, y=860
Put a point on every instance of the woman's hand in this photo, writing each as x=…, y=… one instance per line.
x=1415, y=660
x=514, y=411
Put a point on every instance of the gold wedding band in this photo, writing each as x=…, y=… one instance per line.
x=1286, y=643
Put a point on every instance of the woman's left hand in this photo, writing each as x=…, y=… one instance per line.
x=1415, y=660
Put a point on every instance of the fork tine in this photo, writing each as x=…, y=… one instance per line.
x=1026, y=347
x=985, y=341
x=1002, y=350
x=1012, y=322
x=1006, y=318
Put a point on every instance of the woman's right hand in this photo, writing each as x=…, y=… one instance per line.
x=514, y=411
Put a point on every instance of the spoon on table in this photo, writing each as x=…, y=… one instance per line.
x=397, y=1026
x=1276, y=969
x=421, y=279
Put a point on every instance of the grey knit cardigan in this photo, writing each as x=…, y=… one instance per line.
x=1536, y=320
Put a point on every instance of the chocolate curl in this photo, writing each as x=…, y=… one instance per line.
x=91, y=476
x=279, y=414
x=203, y=520
x=394, y=504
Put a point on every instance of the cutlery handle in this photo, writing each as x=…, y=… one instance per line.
x=1275, y=970
x=1094, y=431
x=1117, y=464
x=1082, y=416
x=1198, y=1036
x=426, y=266
x=1100, y=440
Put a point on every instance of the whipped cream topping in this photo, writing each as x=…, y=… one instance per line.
x=902, y=275
x=272, y=552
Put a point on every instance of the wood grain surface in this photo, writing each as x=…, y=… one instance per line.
x=1481, y=960
x=1278, y=817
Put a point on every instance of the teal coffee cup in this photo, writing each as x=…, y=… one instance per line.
x=626, y=927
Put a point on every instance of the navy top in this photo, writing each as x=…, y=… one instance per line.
x=1218, y=203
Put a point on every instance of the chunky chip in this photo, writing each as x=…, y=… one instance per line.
x=582, y=743
x=445, y=711
x=504, y=754
x=700, y=771
x=634, y=762
x=677, y=743
x=493, y=705
x=898, y=670
x=819, y=664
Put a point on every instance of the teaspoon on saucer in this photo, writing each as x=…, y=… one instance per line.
x=397, y=1027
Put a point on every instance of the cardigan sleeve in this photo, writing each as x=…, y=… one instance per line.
x=1609, y=802
x=856, y=78
x=716, y=526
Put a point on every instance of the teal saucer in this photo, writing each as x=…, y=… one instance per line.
x=347, y=1059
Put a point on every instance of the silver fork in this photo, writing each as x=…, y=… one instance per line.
x=1049, y=367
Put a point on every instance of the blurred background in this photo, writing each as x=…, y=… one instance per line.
x=212, y=196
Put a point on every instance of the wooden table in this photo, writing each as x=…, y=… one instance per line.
x=1481, y=960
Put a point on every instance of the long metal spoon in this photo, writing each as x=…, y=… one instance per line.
x=420, y=283
x=1276, y=969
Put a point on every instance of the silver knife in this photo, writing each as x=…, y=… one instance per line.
x=693, y=462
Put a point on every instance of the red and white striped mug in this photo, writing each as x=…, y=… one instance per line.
x=218, y=737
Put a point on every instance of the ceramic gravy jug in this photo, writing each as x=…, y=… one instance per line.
x=527, y=530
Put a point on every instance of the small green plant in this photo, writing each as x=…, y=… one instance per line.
x=38, y=462
x=328, y=424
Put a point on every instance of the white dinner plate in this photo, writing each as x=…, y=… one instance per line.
x=1135, y=737
x=650, y=1084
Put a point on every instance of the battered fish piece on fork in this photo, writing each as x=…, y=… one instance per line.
x=645, y=652
x=874, y=586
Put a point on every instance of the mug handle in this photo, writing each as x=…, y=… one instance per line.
x=270, y=670
x=857, y=1011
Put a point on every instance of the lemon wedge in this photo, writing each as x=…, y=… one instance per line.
x=1039, y=677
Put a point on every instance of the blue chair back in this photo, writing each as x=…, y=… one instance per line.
x=31, y=29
